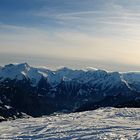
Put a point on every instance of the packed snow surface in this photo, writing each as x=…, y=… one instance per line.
x=100, y=124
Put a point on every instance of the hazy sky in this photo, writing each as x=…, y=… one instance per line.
x=77, y=33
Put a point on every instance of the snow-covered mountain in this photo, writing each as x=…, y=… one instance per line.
x=38, y=91
x=92, y=76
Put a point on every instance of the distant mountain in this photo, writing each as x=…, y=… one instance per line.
x=40, y=91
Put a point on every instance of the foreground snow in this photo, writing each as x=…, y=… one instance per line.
x=101, y=124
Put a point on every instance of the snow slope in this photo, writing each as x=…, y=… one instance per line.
x=100, y=124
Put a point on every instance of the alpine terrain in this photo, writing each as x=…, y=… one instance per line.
x=40, y=91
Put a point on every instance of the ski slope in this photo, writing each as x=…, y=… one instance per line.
x=100, y=124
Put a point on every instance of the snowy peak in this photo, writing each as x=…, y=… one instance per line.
x=93, y=76
x=14, y=71
x=20, y=72
x=17, y=66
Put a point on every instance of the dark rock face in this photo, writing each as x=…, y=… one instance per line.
x=118, y=101
x=73, y=91
x=7, y=113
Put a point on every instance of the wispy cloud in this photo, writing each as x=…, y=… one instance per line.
x=91, y=30
x=112, y=19
x=69, y=45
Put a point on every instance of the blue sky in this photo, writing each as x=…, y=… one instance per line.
x=76, y=33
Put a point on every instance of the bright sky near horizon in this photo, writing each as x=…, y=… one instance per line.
x=77, y=33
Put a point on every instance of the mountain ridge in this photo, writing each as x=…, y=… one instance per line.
x=40, y=91
x=23, y=70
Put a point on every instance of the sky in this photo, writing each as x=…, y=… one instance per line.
x=104, y=34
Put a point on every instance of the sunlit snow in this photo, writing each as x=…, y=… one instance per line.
x=101, y=124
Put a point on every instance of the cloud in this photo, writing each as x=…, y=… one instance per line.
x=111, y=18
x=106, y=31
x=69, y=45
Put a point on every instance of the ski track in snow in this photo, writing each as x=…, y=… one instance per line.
x=100, y=124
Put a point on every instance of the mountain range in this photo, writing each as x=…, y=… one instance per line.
x=40, y=91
